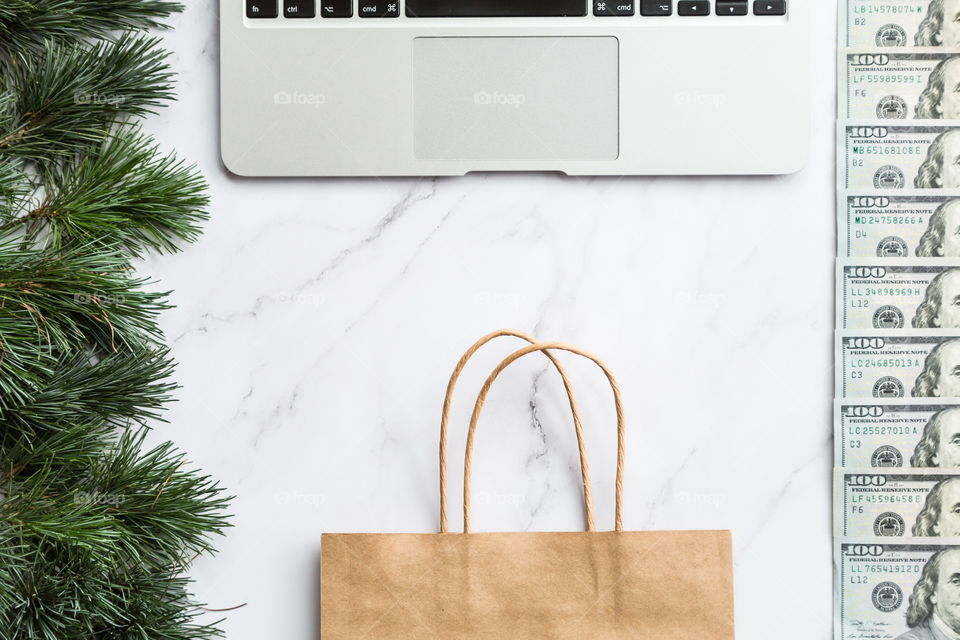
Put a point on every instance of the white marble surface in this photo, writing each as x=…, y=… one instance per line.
x=318, y=320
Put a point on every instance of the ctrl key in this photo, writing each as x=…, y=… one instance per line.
x=262, y=9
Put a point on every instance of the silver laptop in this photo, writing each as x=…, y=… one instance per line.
x=583, y=87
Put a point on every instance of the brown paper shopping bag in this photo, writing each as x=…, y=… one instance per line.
x=619, y=584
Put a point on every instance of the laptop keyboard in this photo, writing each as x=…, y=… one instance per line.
x=309, y=9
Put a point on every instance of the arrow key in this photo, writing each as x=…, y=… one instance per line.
x=693, y=8
x=770, y=7
x=726, y=8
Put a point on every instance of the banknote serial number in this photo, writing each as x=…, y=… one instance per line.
x=881, y=430
x=872, y=567
x=886, y=291
x=870, y=363
x=888, y=78
x=886, y=150
x=866, y=496
x=887, y=219
x=886, y=9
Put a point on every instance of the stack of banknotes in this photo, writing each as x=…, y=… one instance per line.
x=897, y=413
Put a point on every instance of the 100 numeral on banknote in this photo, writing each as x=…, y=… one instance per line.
x=907, y=591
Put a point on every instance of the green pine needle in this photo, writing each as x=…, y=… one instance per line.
x=29, y=22
x=69, y=97
x=125, y=190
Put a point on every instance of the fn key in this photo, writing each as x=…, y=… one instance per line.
x=262, y=9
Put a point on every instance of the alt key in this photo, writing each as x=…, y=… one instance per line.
x=336, y=8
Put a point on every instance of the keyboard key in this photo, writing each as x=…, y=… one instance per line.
x=613, y=8
x=300, y=8
x=726, y=8
x=770, y=7
x=693, y=8
x=379, y=8
x=262, y=9
x=336, y=8
x=656, y=7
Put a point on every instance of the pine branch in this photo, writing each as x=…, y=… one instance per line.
x=68, y=98
x=119, y=389
x=25, y=23
x=133, y=516
x=62, y=303
x=125, y=192
x=95, y=532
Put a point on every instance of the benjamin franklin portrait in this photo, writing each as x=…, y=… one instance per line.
x=941, y=372
x=941, y=169
x=939, y=445
x=941, y=98
x=940, y=515
x=942, y=237
x=934, y=609
x=941, y=27
x=940, y=308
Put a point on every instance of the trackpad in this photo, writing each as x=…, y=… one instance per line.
x=528, y=98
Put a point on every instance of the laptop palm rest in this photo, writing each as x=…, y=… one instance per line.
x=516, y=98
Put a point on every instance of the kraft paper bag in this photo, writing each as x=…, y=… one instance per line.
x=613, y=585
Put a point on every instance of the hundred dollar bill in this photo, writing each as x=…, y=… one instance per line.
x=889, y=590
x=897, y=225
x=898, y=23
x=882, y=502
x=913, y=363
x=924, y=154
x=914, y=84
x=922, y=293
x=922, y=433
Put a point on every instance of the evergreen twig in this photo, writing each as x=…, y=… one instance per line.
x=96, y=531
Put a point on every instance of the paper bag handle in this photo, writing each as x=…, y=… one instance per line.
x=468, y=457
x=578, y=425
